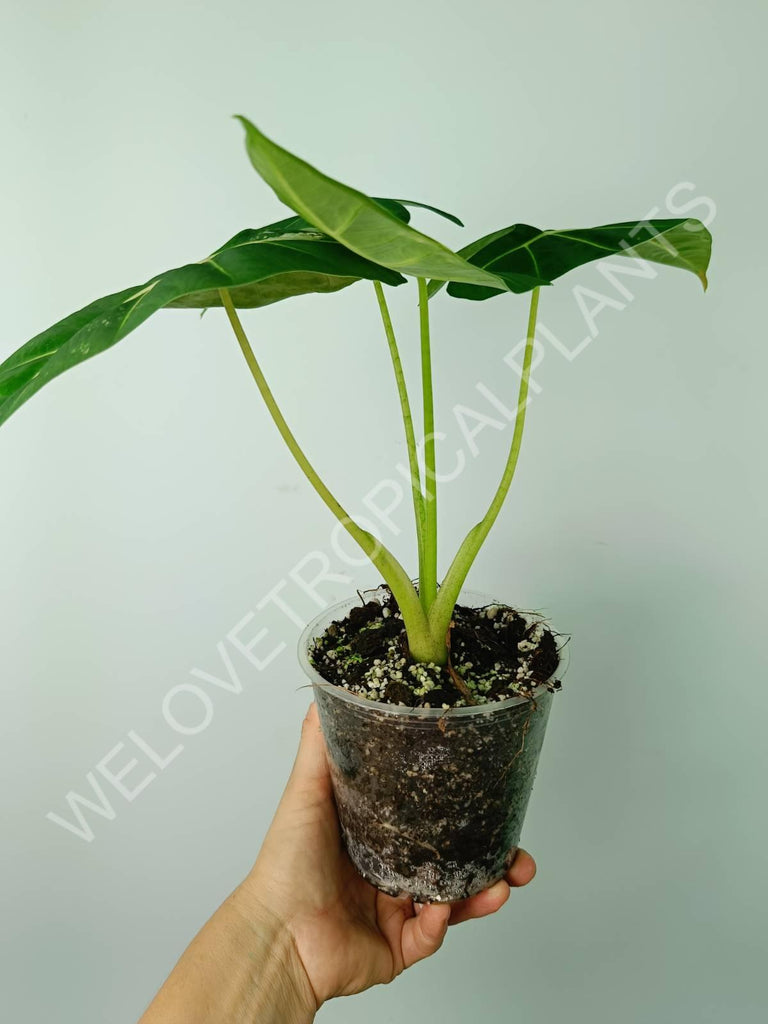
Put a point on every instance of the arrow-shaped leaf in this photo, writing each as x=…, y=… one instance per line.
x=260, y=293
x=355, y=220
x=258, y=267
x=521, y=249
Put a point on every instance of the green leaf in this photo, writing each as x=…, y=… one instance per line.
x=521, y=249
x=355, y=220
x=433, y=209
x=258, y=267
x=687, y=245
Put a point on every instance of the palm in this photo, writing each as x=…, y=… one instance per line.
x=355, y=940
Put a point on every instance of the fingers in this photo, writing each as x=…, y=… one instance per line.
x=520, y=873
x=484, y=903
x=310, y=769
x=522, y=869
x=423, y=934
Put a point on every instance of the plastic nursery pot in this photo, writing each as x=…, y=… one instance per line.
x=431, y=802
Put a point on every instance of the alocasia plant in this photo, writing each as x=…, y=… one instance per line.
x=340, y=236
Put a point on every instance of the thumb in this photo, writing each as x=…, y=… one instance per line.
x=423, y=934
x=310, y=769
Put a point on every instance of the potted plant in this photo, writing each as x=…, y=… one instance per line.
x=433, y=700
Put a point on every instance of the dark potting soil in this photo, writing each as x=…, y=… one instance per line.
x=434, y=806
x=496, y=652
x=430, y=805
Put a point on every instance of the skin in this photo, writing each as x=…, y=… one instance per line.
x=304, y=926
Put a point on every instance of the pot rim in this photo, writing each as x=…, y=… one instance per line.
x=320, y=622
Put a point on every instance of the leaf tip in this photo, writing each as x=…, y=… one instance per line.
x=702, y=276
x=245, y=122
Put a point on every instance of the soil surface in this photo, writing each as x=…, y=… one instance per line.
x=496, y=652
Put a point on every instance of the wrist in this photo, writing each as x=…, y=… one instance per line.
x=241, y=968
x=282, y=991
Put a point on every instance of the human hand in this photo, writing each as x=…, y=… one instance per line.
x=347, y=935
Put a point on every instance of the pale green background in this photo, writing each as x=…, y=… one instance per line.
x=148, y=505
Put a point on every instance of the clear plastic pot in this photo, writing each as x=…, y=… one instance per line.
x=431, y=802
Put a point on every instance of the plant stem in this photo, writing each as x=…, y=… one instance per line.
x=442, y=610
x=405, y=406
x=428, y=568
x=422, y=645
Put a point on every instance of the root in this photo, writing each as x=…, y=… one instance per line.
x=410, y=838
x=456, y=679
x=526, y=727
x=460, y=685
